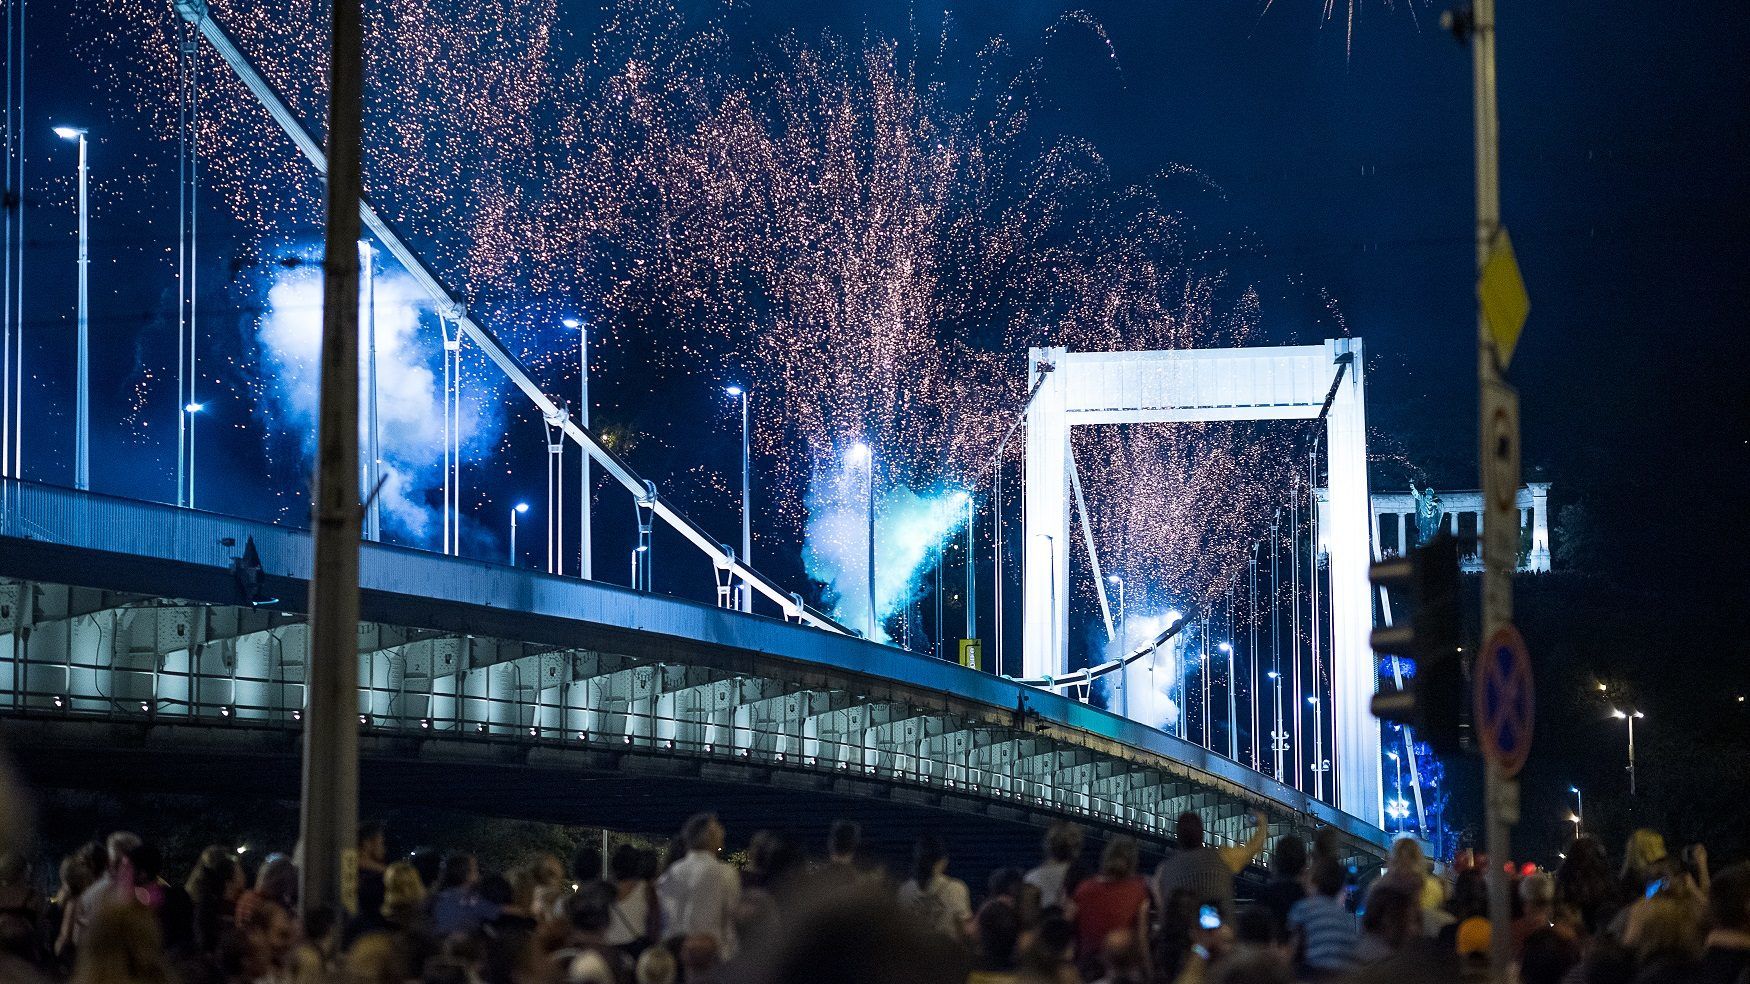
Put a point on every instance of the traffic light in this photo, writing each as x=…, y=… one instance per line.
x=1433, y=701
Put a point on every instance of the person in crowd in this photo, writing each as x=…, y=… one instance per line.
x=636, y=919
x=213, y=887
x=1726, y=959
x=1124, y=959
x=1585, y=885
x=116, y=881
x=79, y=871
x=1665, y=937
x=699, y=891
x=169, y=903
x=1207, y=872
x=1287, y=884
x=997, y=937
x=1547, y=955
x=1537, y=908
x=276, y=885
x=843, y=842
x=1323, y=929
x=1115, y=900
x=429, y=862
x=1393, y=948
x=1053, y=877
x=941, y=902
x=1645, y=865
x=457, y=907
x=120, y=945
x=21, y=910
x=586, y=862
x=1470, y=901
x=700, y=958
x=656, y=966
x=1050, y=957
x=373, y=858
x=586, y=954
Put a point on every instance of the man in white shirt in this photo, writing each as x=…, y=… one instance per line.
x=699, y=892
x=1063, y=846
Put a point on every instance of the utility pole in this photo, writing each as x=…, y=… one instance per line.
x=328, y=811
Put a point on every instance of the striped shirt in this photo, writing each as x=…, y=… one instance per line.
x=1327, y=934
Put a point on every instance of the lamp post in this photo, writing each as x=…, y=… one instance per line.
x=373, y=429
x=1630, y=716
x=585, y=568
x=1398, y=763
x=1579, y=810
x=1278, y=738
x=737, y=392
x=191, y=409
x=1123, y=645
x=1233, y=729
x=861, y=452
x=82, y=408
x=515, y=511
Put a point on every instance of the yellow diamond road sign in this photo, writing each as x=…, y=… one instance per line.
x=1502, y=292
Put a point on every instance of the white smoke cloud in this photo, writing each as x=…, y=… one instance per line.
x=909, y=526
x=409, y=397
x=1151, y=682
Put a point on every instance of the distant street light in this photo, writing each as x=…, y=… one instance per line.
x=585, y=539
x=746, y=590
x=1123, y=645
x=82, y=407
x=1630, y=716
x=516, y=510
x=191, y=409
x=861, y=452
x=1579, y=810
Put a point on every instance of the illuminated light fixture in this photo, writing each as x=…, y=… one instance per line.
x=365, y=720
x=297, y=715
x=481, y=727
x=583, y=736
x=812, y=761
x=242, y=849
x=710, y=749
x=425, y=724
x=534, y=732
x=60, y=701
x=670, y=744
x=572, y=323
x=745, y=753
x=780, y=756
x=1271, y=674
x=628, y=739
x=1226, y=647
x=858, y=452
x=194, y=407
x=145, y=707
x=69, y=132
x=522, y=507
x=224, y=712
x=844, y=766
x=732, y=390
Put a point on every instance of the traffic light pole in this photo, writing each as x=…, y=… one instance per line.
x=1501, y=791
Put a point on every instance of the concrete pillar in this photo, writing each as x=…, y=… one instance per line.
x=1045, y=553
x=1353, y=677
x=1540, y=550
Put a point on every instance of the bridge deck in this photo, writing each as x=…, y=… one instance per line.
x=123, y=624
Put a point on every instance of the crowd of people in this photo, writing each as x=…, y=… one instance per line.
x=640, y=916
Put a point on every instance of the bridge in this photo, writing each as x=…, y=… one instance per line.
x=149, y=647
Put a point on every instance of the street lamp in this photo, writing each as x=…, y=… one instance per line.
x=861, y=452
x=1579, y=810
x=1233, y=730
x=736, y=392
x=585, y=544
x=191, y=409
x=82, y=408
x=515, y=511
x=1123, y=645
x=1630, y=716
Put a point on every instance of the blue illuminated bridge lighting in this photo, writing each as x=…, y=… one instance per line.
x=146, y=646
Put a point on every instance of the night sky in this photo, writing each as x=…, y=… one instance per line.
x=1339, y=183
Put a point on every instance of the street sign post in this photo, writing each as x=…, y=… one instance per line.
x=971, y=653
x=1504, y=708
x=1501, y=292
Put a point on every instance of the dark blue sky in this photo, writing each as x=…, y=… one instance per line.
x=1345, y=194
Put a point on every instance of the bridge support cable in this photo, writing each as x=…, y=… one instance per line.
x=1075, y=484
x=447, y=304
x=1086, y=676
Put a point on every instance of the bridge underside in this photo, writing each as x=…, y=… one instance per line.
x=519, y=694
